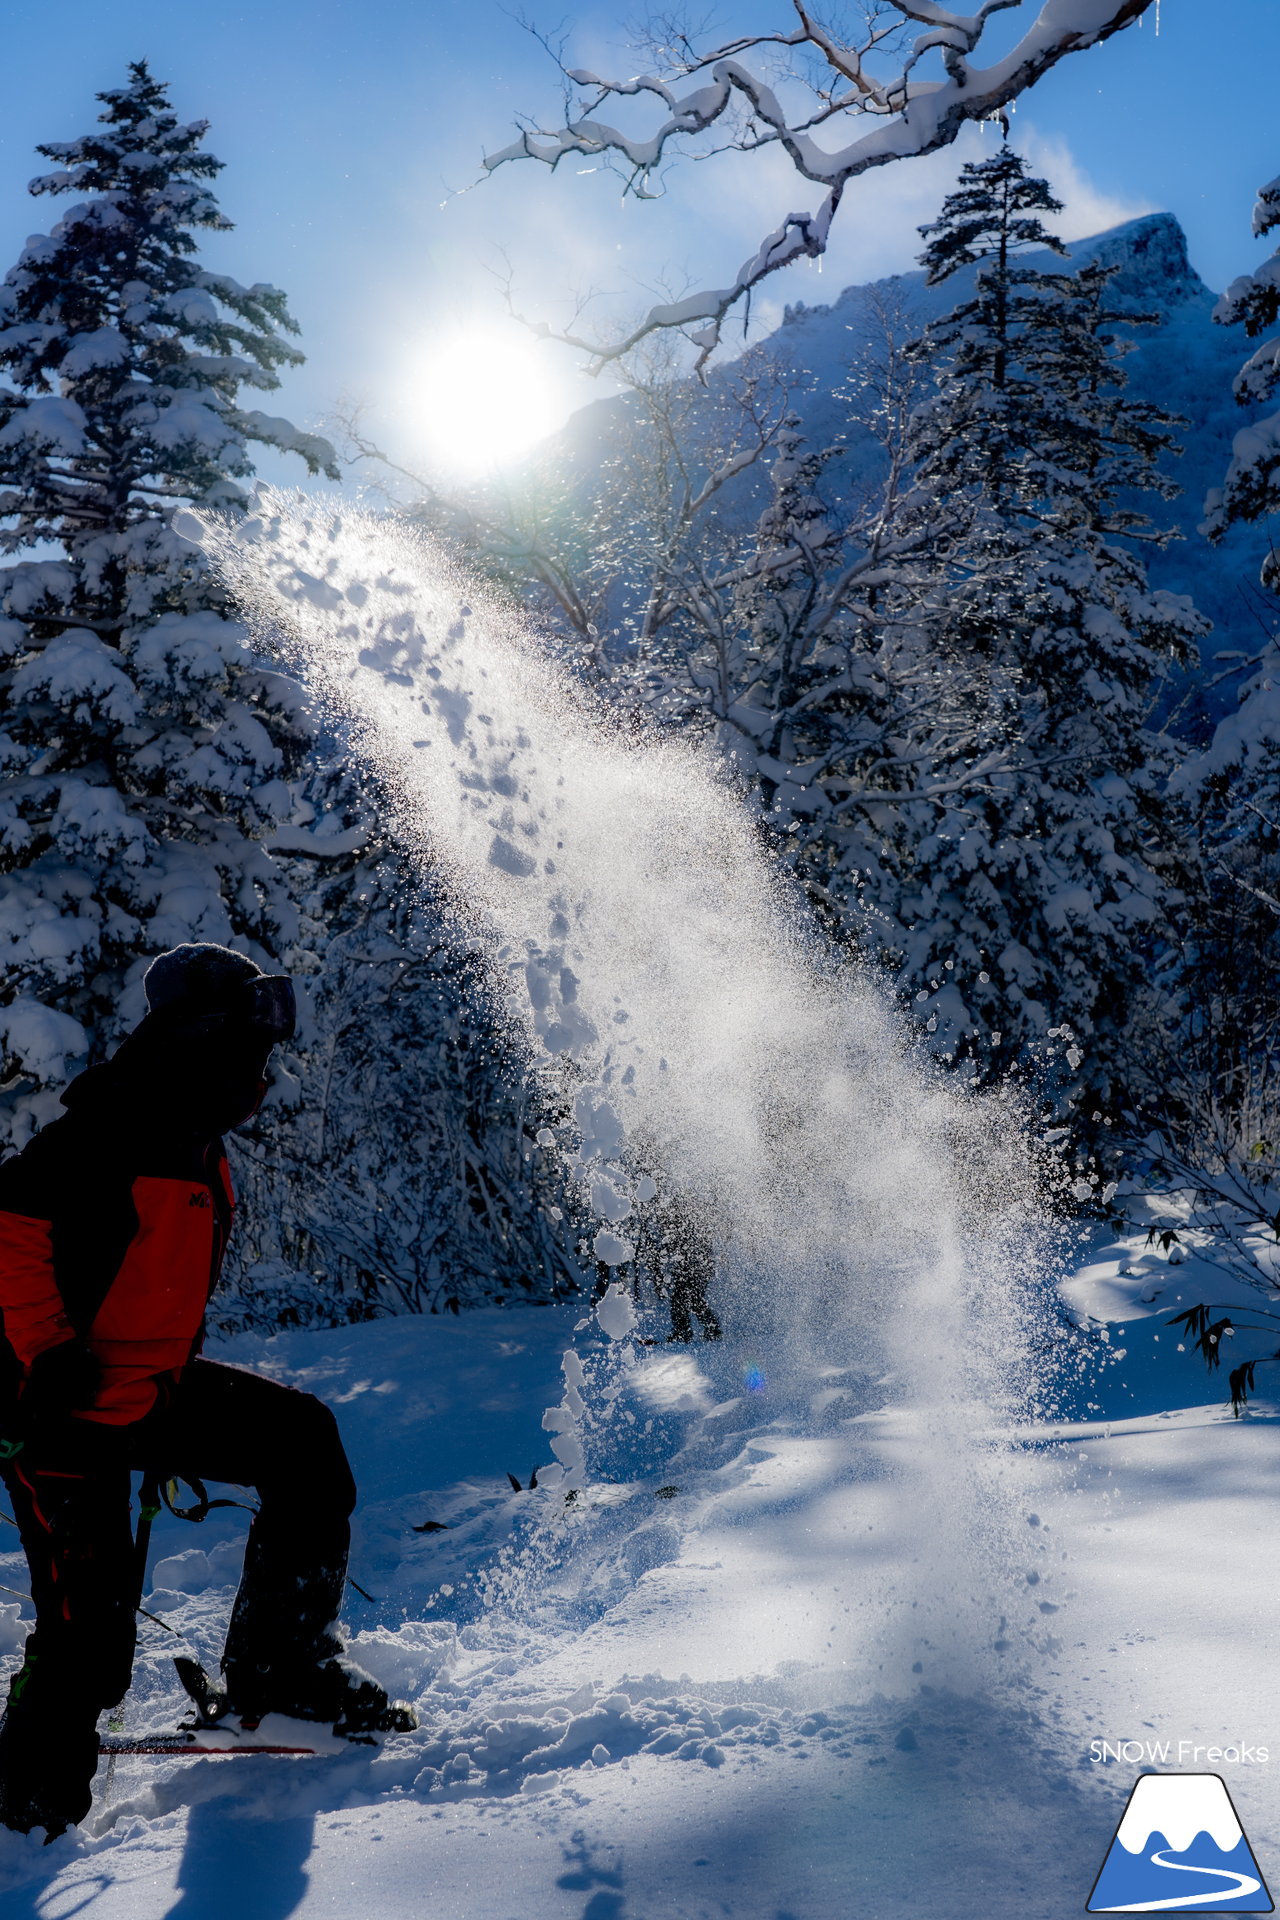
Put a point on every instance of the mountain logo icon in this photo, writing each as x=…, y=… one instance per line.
x=1180, y=1848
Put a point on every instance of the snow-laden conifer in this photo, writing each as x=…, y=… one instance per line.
x=145, y=756
x=1216, y=1131
x=408, y=1178
x=1232, y=787
x=1018, y=911
x=1251, y=489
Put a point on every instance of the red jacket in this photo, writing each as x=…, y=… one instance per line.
x=113, y=1224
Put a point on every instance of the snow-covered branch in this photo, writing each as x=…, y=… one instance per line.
x=318, y=846
x=914, y=114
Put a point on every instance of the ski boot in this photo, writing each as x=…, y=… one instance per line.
x=334, y=1691
x=23, y=1813
x=47, y=1764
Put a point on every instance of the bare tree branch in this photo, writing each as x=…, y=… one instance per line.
x=914, y=115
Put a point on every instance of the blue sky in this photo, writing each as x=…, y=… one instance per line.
x=344, y=126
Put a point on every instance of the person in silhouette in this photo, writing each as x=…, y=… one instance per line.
x=113, y=1224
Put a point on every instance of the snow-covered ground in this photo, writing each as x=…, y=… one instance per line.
x=697, y=1689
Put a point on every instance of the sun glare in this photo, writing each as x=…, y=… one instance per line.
x=486, y=395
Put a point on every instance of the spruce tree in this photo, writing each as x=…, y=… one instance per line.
x=409, y=1178
x=1234, y=784
x=145, y=754
x=1251, y=489
x=1215, y=1093
x=1018, y=910
x=994, y=397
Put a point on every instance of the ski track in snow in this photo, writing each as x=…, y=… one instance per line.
x=686, y=1705
x=1245, y=1883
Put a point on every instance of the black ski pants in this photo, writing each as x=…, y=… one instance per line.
x=71, y=1488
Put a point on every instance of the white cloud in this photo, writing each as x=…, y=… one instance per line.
x=1086, y=208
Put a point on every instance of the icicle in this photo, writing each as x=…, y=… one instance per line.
x=1157, y=19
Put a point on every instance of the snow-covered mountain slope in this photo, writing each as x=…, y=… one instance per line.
x=701, y=1689
x=1186, y=364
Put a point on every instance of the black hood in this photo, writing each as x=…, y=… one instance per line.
x=170, y=1074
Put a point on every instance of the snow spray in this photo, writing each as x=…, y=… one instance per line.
x=866, y=1212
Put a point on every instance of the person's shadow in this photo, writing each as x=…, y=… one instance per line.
x=254, y=1869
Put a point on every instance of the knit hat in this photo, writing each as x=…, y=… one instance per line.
x=197, y=978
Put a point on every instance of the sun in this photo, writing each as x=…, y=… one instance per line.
x=484, y=395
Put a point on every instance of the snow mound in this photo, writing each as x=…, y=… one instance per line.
x=406, y=1660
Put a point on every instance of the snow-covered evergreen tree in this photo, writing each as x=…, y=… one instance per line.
x=1017, y=911
x=1215, y=1133
x=409, y=1179
x=1212, y=1108
x=1251, y=489
x=1234, y=785
x=145, y=755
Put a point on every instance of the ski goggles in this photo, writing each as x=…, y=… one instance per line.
x=267, y=1006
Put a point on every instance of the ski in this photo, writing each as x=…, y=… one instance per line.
x=181, y=1744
